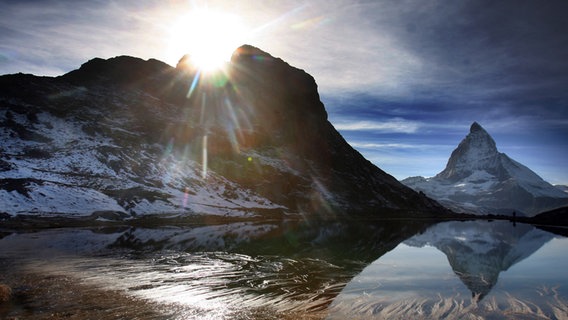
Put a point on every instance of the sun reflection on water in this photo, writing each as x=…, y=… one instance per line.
x=268, y=270
x=214, y=285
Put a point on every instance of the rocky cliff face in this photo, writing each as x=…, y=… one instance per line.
x=477, y=151
x=480, y=179
x=134, y=136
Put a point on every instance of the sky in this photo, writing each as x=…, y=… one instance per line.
x=401, y=80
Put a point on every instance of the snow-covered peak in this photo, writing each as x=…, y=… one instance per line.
x=476, y=151
x=480, y=179
x=478, y=140
x=475, y=127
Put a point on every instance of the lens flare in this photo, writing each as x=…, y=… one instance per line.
x=204, y=158
x=194, y=83
x=208, y=37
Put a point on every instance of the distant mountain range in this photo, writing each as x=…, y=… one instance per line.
x=128, y=136
x=480, y=179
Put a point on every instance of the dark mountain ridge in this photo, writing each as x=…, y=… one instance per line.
x=143, y=137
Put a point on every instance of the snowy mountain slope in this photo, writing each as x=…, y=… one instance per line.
x=96, y=159
x=479, y=179
x=138, y=137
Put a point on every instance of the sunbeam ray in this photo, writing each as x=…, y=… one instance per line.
x=204, y=158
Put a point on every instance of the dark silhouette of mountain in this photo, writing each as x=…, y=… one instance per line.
x=557, y=216
x=554, y=221
x=480, y=179
x=134, y=136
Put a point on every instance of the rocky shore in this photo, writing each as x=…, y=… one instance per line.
x=26, y=294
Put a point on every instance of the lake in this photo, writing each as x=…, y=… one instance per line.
x=287, y=269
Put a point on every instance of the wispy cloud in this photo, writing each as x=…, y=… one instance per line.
x=370, y=145
x=402, y=164
x=396, y=125
x=55, y=36
x=394, y=146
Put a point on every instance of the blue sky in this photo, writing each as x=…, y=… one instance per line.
x=402, y=80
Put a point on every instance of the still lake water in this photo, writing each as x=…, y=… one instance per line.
x=288, y=269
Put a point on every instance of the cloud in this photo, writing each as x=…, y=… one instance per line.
x=404, y=160
x=56, y=36
x=369, y=145
x=401, y=146
x=396, y=125
x=480, y=54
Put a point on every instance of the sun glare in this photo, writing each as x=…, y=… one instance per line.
x=208, y=37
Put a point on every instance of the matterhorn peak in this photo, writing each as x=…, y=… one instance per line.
x=478, y=178
x=479, y=138
x=476, y=127
x=477, y=150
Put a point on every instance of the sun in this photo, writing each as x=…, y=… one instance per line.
x=208, y=37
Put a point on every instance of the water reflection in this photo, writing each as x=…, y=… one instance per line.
x=222, y=270
x=465, y=270
x=478, y=251
x=296, y=269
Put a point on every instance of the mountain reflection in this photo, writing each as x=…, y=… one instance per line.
x=334, y=269
x=337, y=242
x=292, y=266
x=415, y=281
x=478, y=251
